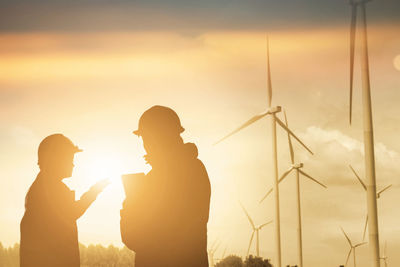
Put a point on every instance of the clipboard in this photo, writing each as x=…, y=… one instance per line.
x=131, y=182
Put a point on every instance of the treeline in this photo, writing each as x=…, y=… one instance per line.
x=99, y=256
x=9, y=257
x=91, y=256
x=250, y=261
x=111, y=256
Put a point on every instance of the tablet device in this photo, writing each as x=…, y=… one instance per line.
x=131, y=182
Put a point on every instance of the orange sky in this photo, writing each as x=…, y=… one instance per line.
x=94, y=86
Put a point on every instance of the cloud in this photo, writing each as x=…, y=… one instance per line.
x=338, y=150
x=323, y=136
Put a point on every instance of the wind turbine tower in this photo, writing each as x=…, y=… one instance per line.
x=384, y=256
x=373, y=229
x=297, y=167
x=211, y=252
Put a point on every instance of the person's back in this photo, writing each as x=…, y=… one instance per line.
x=165, y=223
x=49, y=235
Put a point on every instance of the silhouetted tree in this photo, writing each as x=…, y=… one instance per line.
x=91, y=256
x=111, y=256
x=9, y=257
x=1, y=254
x=230, y=261
x=253, y=261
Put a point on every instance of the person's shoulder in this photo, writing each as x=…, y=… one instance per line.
x=35, y=193
x=36, y=187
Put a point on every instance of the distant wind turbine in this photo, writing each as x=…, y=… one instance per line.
x=296, y=167
x=368, y=125
x=352, y=248
x=274, y=154
x=256, y=230
x=211, y=252
x=378, y=195
x=384, y=256
x=222, y=255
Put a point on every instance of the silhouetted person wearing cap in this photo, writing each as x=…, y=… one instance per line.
x=49, y=235
x=165, y=221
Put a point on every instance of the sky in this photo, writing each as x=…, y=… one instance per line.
x=89, y=69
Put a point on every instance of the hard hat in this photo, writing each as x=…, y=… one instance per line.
x=159, y=118
x=56, y=144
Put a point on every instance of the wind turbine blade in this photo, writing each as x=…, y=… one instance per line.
x=348, y=256
x=352, y=45
x=214, y=243
x=216, y=247
x=248, y=217
x=266, y=195
x=269, y=82
x=358, y=177
x=365, y=227
x=251, y=240
x=348, y=239
x=279, y=181
x=360, y=244
x=292, y=134
x=313, y=179
x=384, y=189
x=244, y=125
x=289, y=141
x=285, y=174
x=262, y=225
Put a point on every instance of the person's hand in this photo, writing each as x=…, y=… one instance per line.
x=99, y=186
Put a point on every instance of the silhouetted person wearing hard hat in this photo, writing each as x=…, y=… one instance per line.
x=49, y=235
x=165, y=221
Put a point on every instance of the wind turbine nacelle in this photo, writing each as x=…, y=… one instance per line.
x=276, y=109
x=298, y=165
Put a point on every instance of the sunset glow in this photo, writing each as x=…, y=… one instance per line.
x=93, y=86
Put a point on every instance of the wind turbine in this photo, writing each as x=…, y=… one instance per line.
x=256, y=230
x=222, y=255
x=378, y=195
x=297, y=167
x=211, y=252
x=368, y=125
x=384, y=256
x=352, y=248
x=274, y=154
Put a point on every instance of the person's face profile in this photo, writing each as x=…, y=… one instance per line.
x=148, y=142
x=63, y=165
x=68, y=166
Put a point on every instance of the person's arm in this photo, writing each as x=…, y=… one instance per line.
x=89, y=197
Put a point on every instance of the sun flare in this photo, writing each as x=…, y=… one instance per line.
x=105, y=167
